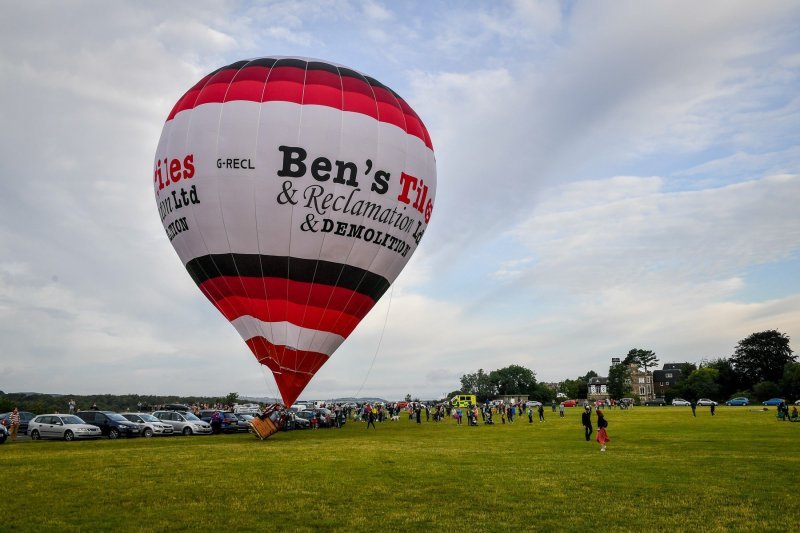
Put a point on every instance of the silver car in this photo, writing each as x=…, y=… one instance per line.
x=184, y=422
x=67, y=427
x=149, y=424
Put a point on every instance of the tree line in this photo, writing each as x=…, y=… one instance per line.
x=58, y=403
x=762, y=366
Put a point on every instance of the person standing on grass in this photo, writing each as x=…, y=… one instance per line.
x=586, y=419
x=602, y=436
x=371, y=419
x=14, y=419
x=713, y=408
x=530, y=415
x=561, y=409
x=541, y=413
x=693, y=404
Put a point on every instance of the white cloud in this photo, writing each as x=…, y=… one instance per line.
x=627, y=231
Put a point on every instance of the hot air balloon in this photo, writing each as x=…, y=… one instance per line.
x=294, y=191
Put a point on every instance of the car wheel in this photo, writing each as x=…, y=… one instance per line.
x=113, y=433
x=35, y=434
x=187, y=431
x=147, y=432
x=68, y=435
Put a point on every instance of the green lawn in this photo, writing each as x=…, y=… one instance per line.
x=664, y=470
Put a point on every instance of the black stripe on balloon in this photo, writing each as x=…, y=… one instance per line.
x=305, y=65
x=292, y=268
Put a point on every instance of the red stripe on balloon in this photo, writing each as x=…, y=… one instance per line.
x=284, y=84
x=307, y=87
x=293, y=369
x=358, y=97
x=313, y=294
x=282, y=310
x=323, y=88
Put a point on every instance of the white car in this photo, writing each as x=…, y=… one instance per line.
x=681, y=401
x=66, y=427
x=149, y=424
x=705, y=402
x=184, y=422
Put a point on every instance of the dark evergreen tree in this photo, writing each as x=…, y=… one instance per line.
x=762, y=356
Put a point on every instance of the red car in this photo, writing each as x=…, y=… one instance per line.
x=570, y=403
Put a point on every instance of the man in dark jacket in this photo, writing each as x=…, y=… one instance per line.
x=586, y=419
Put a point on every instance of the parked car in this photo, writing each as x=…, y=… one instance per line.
x=705, y=402
x=323, y=416
x=111, y=424
x=176, y=407
x=532, y=403
x=66, y=427
x=184, y=422
x=658, y=402
x=298, y=422
x=228, y=421
x=3, y=434
x=773, y=401
x=149, y=425
x=738, y=401
x=243, y=421
x=570, y=403
x=681, y=402
x=24, y=418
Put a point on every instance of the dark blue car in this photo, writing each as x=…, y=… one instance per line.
x=738, y=401
x=224, y=421
x=773, y=401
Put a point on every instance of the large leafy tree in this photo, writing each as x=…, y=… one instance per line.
x=729, y=380
x=790, y=384
x=766, y=390
x=642, y=358
x=570, y=387
x=762, y=356
x=702, y=383
x=542, y=393
x=231, y=398
x=514, y=379
x=619, y=381
x=479, y=384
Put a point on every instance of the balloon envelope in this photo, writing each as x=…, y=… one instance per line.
x=294, y=191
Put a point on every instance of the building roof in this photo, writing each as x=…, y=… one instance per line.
x=661, y=375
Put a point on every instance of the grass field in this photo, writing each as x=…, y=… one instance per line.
x=664, y=470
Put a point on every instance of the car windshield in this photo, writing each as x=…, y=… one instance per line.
x=117, y=417
x=190, y=416
x=148, y=418
x=72, y=420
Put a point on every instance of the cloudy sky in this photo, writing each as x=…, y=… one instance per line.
x=611, y=175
